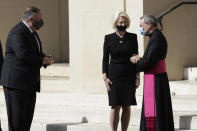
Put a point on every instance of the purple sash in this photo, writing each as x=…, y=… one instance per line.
x=149, y=94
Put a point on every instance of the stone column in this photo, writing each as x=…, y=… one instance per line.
x=135, y=11
x=89, y=21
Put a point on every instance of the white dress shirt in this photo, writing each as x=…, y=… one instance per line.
x=38, y=43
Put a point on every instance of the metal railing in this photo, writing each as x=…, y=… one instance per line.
x=160, y=17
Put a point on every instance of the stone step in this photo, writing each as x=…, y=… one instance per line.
x=184, y=87
x=185, y=130
x=61, y=84
x=62, y=69
x=51, y=84
x=36, y=126
x=180, y=103
x=190, y=73
x=96, y=127
x=188, y=122
x=57, y=69
x=100, y=127
x=54, y=84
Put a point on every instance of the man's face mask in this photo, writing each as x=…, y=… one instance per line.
x=38, y=24
x=144, y=29
x=141, y=30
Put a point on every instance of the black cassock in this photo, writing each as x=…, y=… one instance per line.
x=1, y=63
x=154, y=59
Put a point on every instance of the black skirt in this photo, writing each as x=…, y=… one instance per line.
x=123, y=87
x=122, y=96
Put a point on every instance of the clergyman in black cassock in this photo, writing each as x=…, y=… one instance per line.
x=157, y=114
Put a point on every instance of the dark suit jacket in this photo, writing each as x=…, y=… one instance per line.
x=21, y=68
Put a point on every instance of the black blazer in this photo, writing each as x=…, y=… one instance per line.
x=112, y=52
x=21, y=68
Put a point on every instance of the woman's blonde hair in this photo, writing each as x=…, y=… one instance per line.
x=116, y=17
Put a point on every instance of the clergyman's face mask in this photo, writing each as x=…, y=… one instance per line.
x=141, y=30
x=144, y=29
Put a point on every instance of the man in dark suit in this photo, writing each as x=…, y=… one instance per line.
x=21, y=69
x=1, y=63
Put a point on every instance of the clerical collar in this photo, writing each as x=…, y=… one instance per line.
x=153, y=32
x=28, y=27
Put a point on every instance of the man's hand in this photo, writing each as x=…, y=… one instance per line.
x=48, y=60
x=51, y=59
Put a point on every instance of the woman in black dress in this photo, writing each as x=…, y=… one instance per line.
x=119, y=73
x=157, y=114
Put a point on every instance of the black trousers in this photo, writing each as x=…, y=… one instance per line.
x=20, y=108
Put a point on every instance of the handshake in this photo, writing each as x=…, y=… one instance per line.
x=48, y=60
x=135, y=58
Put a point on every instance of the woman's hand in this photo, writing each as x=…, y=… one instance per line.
x=107, y=83
x=137, y=81
x=134, y=59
